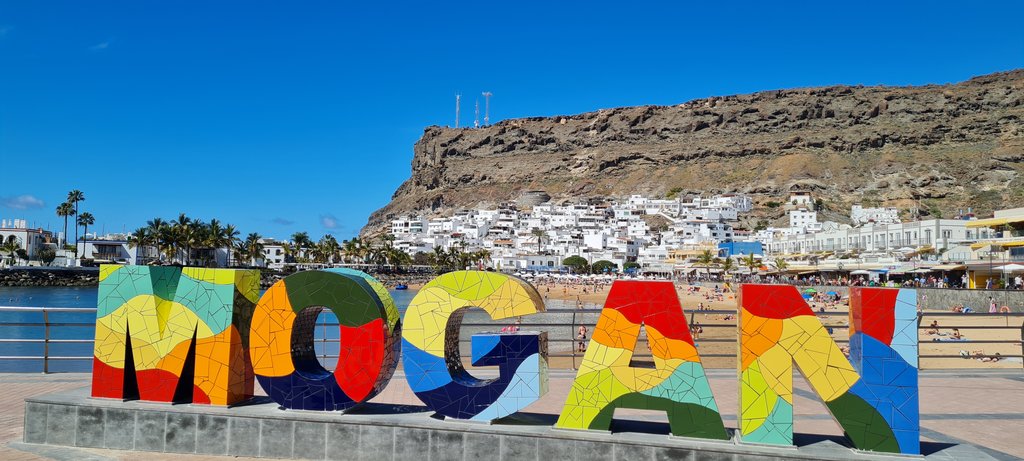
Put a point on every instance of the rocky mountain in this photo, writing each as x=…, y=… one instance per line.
x=929, y=150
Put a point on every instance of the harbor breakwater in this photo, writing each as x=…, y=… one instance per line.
x=49, y=277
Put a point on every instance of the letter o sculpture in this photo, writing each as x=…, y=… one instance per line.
x=282, y=348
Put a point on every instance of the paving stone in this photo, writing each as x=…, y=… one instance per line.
x=119, y=429
x=150, y=427
x=310, y=440
x=672, y=454
x=89, y=427
x=480, y=446
x=243, y=437
x=60, y=424
x=410, y=443
x=212, y=435
x=342, y=441
x=35, y=423
x=446, y=445
x=515, y=448
x=624, y=452
x=591, y=451
x=277, y=438
x=377, y=443
x=181, y=433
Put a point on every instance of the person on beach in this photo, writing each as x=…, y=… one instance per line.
x=992, y=305
x=581, y=339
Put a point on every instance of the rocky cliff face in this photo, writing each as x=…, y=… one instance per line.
x=933, y=149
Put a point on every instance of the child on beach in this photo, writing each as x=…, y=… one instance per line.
x=581, y=339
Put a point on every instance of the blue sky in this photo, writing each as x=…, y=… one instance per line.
x=278, y=118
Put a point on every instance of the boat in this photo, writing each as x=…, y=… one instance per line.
x=401, y=286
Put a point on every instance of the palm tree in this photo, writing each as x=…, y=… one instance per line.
x=350, y=249
x=11, y=247
x=539, y=234
x=327, y=249
x=302, y=243
x=241, y=253
x=140, y=239
x=253, y=246
x=781, y=264
x=231, y=235
x=439, y=259
x=74, y=197
x=751, y=262
x=727, y=265
x=155, y=229
x=85, y=220
x=65, y=210
x=706, y=259
x=183, y=233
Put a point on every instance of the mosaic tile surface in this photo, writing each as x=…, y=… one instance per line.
x=282, y=348
x=677, y=384
x=777, y=328
x=431, y=358
x=172, y=334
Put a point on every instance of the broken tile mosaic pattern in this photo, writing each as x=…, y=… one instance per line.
x=430, y=346
x=282, y=339
x=778, y=328
x=172, y=334
x=677, y=384
x=884, y=351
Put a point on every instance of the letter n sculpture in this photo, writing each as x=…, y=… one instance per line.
x=874, y=398
x=171, y=334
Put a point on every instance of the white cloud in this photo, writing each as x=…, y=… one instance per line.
x=329, y=221
x=4, y=30
x=282, y=221
x=100, y=46
x=22, y=202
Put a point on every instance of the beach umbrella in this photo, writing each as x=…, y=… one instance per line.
x=806, y=295
x=1012, y=268
x=832, y=293
x=810, y=291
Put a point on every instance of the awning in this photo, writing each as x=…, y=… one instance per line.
x=1010, y=244
x=949, y=267
x=994, y=221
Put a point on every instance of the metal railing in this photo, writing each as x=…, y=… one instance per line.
x=577, y=317
x=47, y=339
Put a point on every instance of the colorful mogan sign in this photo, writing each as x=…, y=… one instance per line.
x=194, y=335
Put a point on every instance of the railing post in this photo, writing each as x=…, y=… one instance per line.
x=572, y=335
x=920, y=315
x=46, y=341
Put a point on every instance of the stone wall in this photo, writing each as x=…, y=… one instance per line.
x=381, y=433
x=49, y=277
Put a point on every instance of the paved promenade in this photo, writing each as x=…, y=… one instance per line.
x=981, y=407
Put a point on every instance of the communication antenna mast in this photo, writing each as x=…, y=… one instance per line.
x=487, y=107
x=457, y=98
x=476, y=114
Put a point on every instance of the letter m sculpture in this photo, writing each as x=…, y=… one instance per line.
x=171, y=334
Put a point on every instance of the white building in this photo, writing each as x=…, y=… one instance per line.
x=938, y=233
x=860, y=215
x=30, y=240
x=803, y=220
